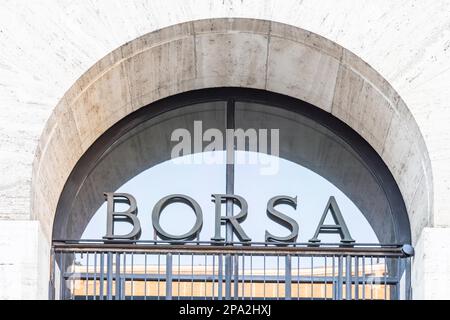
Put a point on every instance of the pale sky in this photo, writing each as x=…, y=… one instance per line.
x=200, y=181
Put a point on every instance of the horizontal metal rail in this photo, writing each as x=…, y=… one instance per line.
x=255, y=249
x=255, y=279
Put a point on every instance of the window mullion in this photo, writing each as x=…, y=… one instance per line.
x=230, y=159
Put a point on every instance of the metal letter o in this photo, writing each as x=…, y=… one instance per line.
x=177, y=198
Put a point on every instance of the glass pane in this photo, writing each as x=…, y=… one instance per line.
x=140, y=164
x=313, y=164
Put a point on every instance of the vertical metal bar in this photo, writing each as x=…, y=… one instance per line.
x=118, y=282
x=123, y=293
x=397, y=277
x=228, y=271
x=264, y=281
x=62, y=281
x=95, y=276
x=278, y=277
x=364, y=277
x=72, y=276
x=124, y=282
x=251, y=276
x=333, y=282
x=236, y=277
x=179, y=276
x=87, y=277
x=132, y=275
x=348, y=277
x=159, y=275
x=109, y=276
x=298, y=277
x=169, y=276
x=356, y=278
x=220, y=278
x=312, y=277
x=192, y=276
x=385, y=278
x=102, y=275
x=371, y=280
x=206, y=274
x=325, y=275
x=230, y=159
x=243, y=278
x=145, y=277
x=213, y=284
x=287, y=277
x=339, y=280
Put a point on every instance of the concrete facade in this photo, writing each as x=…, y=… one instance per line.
x=381, y=68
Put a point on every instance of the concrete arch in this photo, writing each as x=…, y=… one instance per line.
x=233, y=53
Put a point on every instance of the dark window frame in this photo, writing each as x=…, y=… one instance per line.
x=231, y=94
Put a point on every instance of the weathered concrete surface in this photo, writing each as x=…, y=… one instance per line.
x=25, y=260
x=44, y=51
x=431, y=266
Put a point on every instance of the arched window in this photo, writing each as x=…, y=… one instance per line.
x=303, y=186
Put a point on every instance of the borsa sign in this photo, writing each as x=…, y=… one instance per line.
x=233, y=221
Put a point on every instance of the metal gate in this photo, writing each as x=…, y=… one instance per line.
x=206, y=270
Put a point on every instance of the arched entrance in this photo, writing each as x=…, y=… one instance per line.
x=314, y=140
x=229, y=53
x=346, y=160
